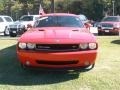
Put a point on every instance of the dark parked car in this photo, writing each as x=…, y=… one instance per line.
x=109, y=25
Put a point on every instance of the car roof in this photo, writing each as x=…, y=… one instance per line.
x=31, y=15
x=82, y=17
x=4, y=16
x=112, y=16
x=59, y=14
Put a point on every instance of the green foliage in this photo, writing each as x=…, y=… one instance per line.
x=1, y=7
x=93, y=9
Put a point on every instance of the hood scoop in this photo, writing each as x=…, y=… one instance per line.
x=75, y=30
x=41, y=30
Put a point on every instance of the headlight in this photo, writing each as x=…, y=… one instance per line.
x=22, y=45
x=99, y=25
x=116, y=26
x=83, y=46
x=92, y=46
x=20, y=26
x=30, y=46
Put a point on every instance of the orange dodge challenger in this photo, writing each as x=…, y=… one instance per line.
x=57, y=40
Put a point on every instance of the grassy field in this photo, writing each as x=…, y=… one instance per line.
x=104, y=76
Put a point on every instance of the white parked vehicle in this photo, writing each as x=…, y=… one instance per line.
x=20, y=26
x=4, y=22
x=83, y=18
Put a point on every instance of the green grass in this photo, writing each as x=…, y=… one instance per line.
x=104, y=76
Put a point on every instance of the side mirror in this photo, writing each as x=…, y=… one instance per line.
x=87, y=25
x=29, y=26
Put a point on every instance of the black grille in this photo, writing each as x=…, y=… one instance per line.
x=13, y=29
x=57, y=62
x=107, y=25
x=57, y=47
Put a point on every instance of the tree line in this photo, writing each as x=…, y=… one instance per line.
x=93, y=9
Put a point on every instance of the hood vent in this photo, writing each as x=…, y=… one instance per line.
x=75, y=30
x=41, y=30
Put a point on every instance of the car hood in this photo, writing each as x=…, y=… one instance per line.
x=6, y=24
x=58, y=35
x=22, y=23
x=109, y=23
x=27, y=22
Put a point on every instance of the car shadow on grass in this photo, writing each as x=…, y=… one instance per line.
x=116, y=41
x=12, y=74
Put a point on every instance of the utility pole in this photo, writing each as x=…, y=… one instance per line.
x=113, y=2
x=52, y=6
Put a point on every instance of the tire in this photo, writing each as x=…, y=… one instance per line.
x=100, y=33
x=118, y=33
x=89, y=67
x=6, y=32
x=23, y=66
x=13, y=34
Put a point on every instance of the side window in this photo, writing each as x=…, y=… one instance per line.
x=1, y=20
x=26, y=18
x=83, y=17
x=8, y=19
x=119, y=19
x=36, y=18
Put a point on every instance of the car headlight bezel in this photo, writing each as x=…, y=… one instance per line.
x=26, y=46
x=116, y=25
x=99, y=25
x=92, y=46
x=31, y=46
x=22, y=45
x=83, y=46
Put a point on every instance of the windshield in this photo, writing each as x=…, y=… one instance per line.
x=8, y=19
x=83, y=17
x=114, y=19
x=59, y=21
x=1, y=20
x=36, y=18
x=26, y=18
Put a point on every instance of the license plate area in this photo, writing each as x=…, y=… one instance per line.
x=106, y=30
x=13, y=31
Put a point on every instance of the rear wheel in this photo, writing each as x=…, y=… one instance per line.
x=13, y=34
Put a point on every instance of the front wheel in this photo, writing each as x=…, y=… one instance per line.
x=100, y=33
x=13, y=34
x=89, y=67
x=6, y=32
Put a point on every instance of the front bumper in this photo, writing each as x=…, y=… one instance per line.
x=18, y=31
x=108, y=31
x=57, y=59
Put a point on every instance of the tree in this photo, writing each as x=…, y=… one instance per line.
x=93, y=9
x=16, y=9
